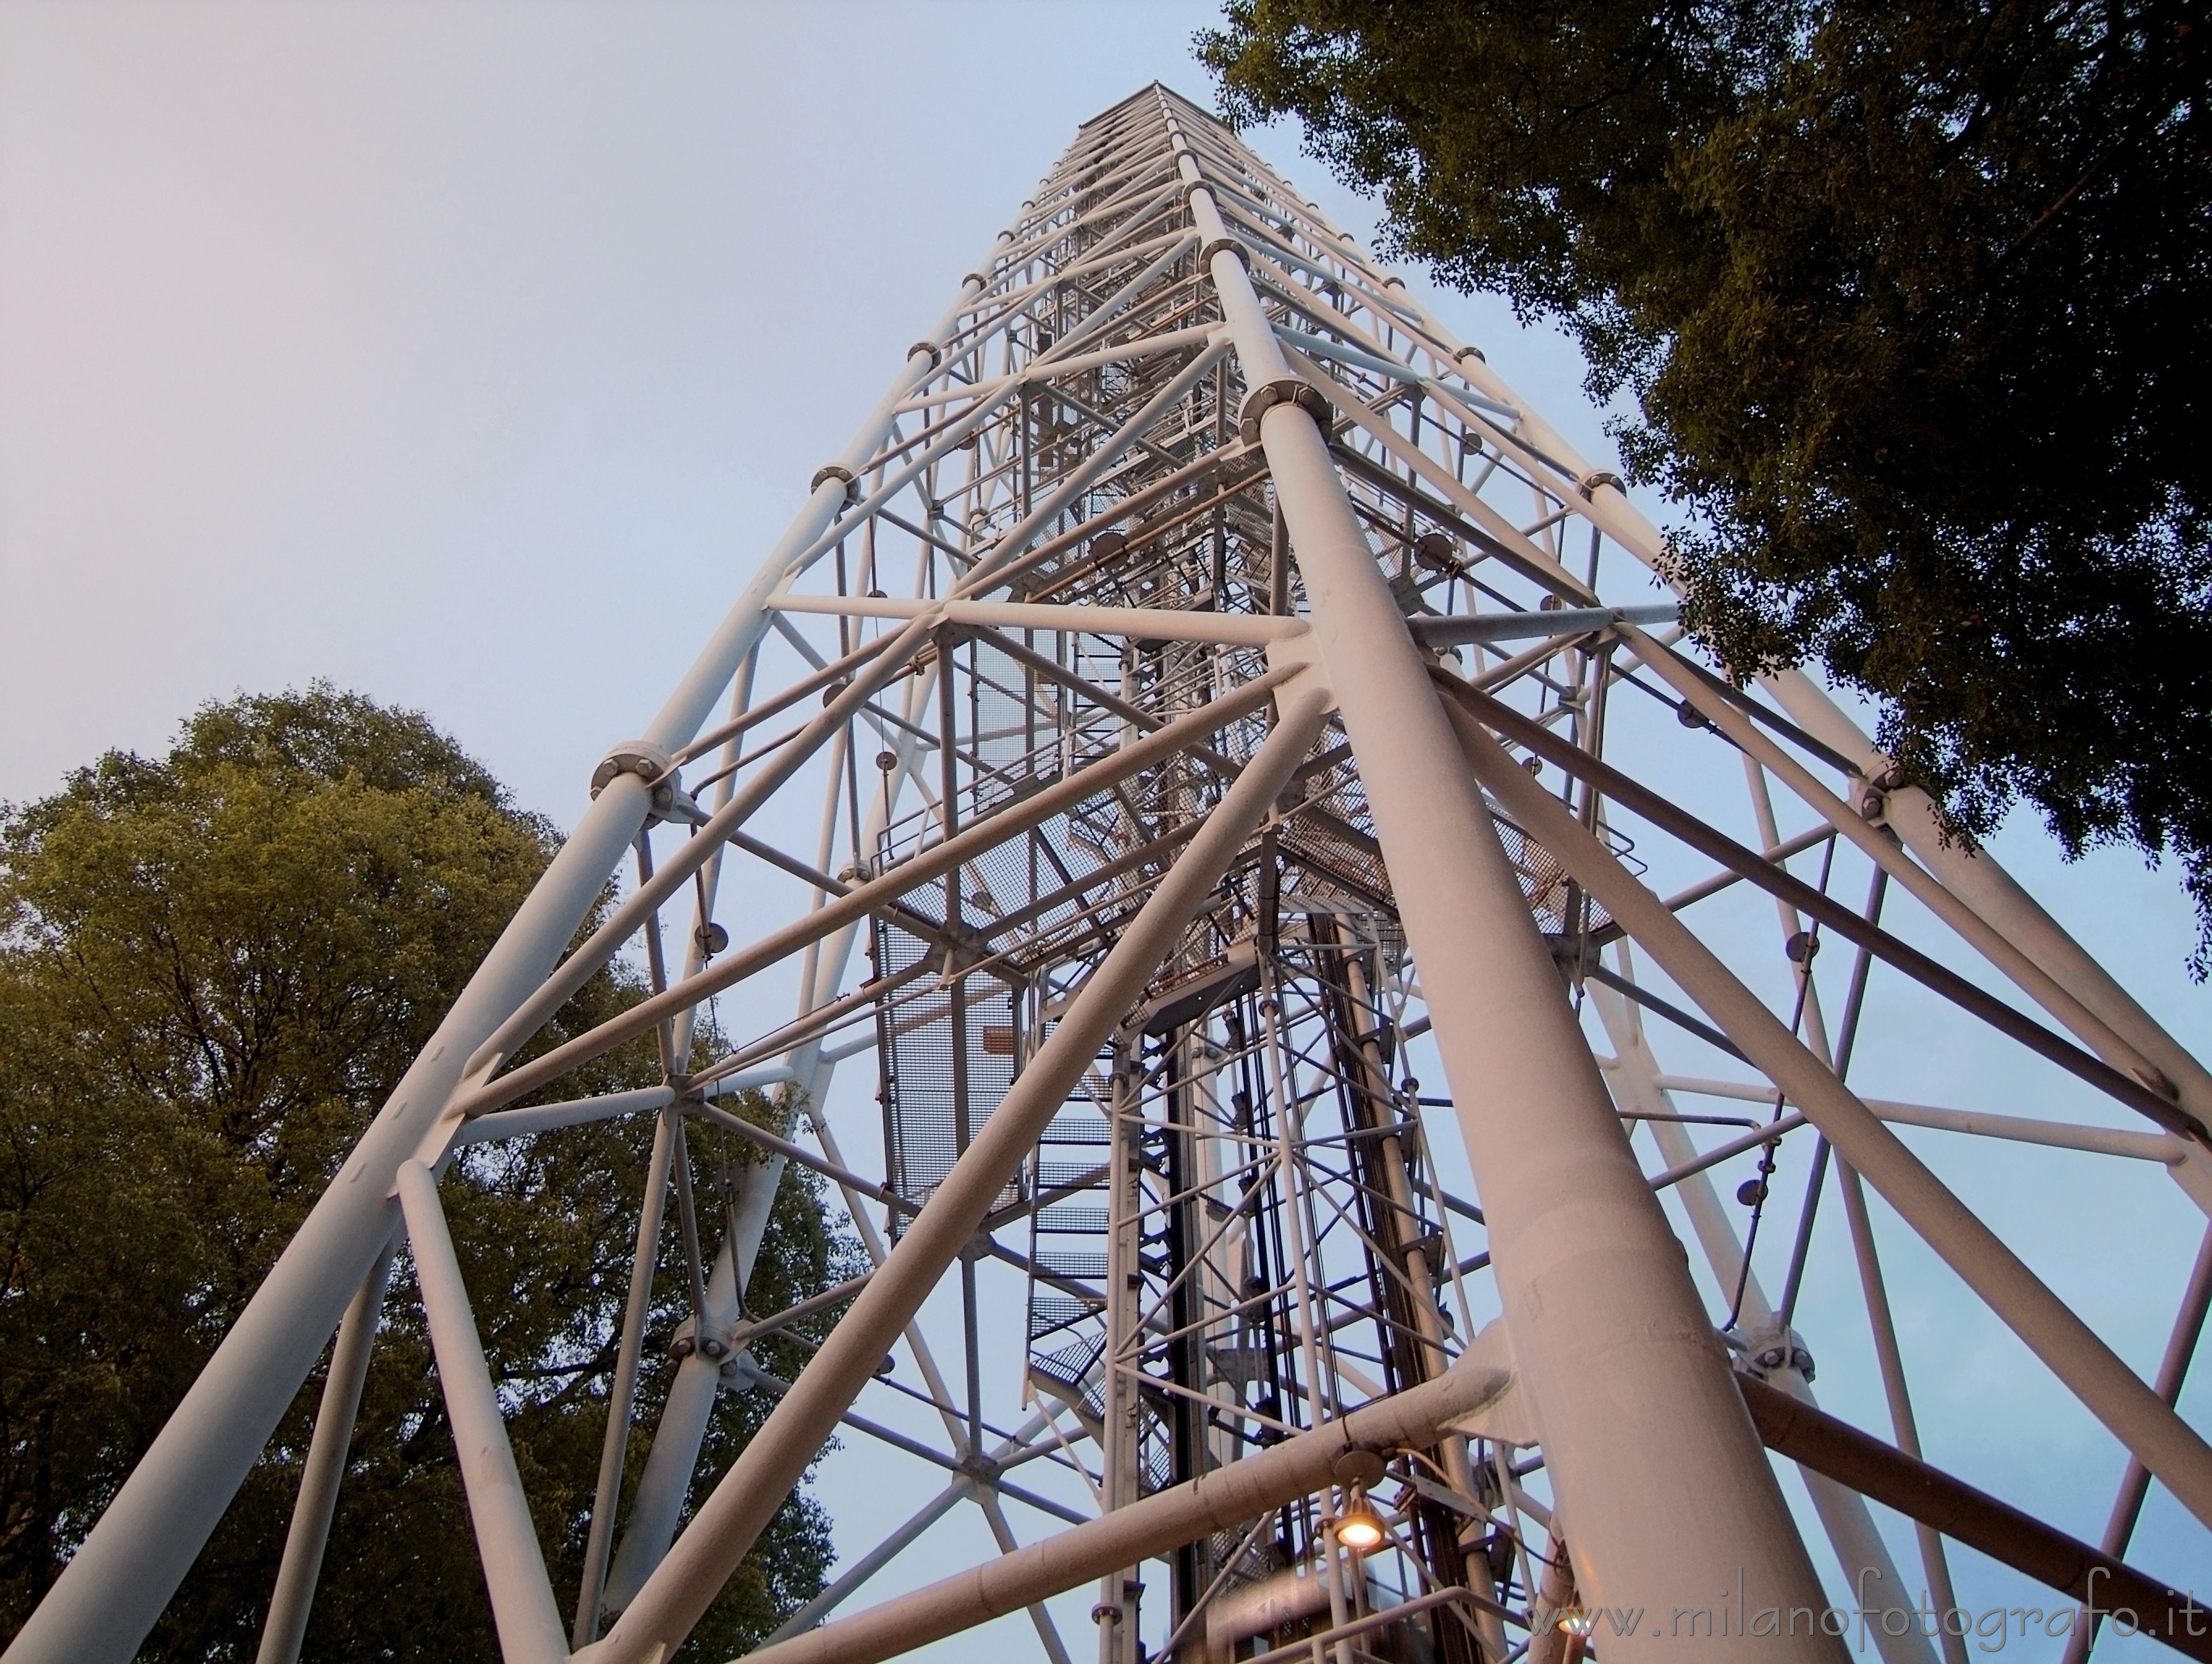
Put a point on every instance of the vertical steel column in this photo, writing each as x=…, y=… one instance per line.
x=1120, y=1410
x=1642, y=1422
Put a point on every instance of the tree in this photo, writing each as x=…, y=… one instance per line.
x=1913, y=299
x=213, y=967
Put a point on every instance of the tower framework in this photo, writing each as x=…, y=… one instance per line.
x=1202, y=664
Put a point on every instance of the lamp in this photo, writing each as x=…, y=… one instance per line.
x=1359, y=1529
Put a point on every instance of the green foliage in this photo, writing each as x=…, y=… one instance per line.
x=213, y=967
x=1913, y=298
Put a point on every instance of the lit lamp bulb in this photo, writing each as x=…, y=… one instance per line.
x=1359, y=1529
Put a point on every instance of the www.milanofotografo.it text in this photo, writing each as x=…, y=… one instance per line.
x=1991, y=1628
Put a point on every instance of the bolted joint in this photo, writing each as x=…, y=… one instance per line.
x=1475, y=353
x=668, y=801
x=1589, y=484
x=688, y=1341
x=839, y=471
x=1225, y=246
x=1773, y=1351
x=936, y=357
x=1289, y=391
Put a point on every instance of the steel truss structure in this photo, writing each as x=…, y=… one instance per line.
x=1203, y=660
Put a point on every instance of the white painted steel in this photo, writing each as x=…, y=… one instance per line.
x=1215, y=1501
x=1094, y=375
x=507, y=1541
x=2164, y=1443
x=1606, y=1326
x=732, y=1517
x=108, y=1596
x=285, y=1626
x=1844, y=1515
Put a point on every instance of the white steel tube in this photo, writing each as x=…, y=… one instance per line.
x=1221, y=1500
x=1640, y=1418
x=672, y=1462
x=1975, y=877
x=109, y=1595
x=285, y=1627
x=732, y=1518
x=507, y=1542
x=2030, y=978
x=810, y=1615
x=1844, y=1513
x=2111, y=1391
x=614, y=1445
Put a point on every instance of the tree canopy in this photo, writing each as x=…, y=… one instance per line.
x=214, y=967
x=1913, y=299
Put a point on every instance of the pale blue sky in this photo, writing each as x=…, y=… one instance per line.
x=471, y=356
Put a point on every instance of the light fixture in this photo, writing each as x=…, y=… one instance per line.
x=1359, y=1529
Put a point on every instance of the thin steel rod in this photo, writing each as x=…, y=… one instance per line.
x=808, y=1616
x=1818, y=1441
x=730, y=1520
x=286, y=1626
x=1889, y=1358
x=2106, y=1386
x=614, y=1446
x=644, y=903
x=1832, y=914
x=857, y=903
x=2135, y=1484
x=1220, y=1500
x=2030, y=978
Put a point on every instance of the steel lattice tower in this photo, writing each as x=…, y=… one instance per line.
x=1203, y=660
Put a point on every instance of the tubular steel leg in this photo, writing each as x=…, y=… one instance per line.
x=286, y=1626
x=1844, y=1513
x=731, y=1519
x=1641, y=1420
x=109, y=1595
x=507, y=1542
